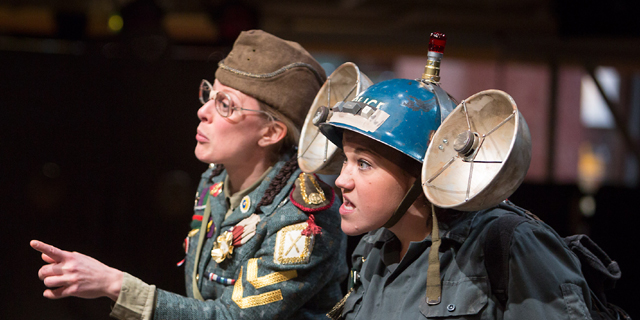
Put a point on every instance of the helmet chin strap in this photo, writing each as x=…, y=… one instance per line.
x=409, y=199
x=434, y=286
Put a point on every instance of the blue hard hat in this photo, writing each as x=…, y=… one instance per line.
x=400, y=113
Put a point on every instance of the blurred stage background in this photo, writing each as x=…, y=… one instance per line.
x=99, y=103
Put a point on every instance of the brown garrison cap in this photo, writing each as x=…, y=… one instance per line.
x=277, y=72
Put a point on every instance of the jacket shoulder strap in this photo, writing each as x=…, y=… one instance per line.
x=496, y=251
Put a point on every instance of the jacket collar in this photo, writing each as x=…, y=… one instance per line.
x=456, y=230
x=258, y=192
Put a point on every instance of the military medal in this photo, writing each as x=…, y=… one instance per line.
x=196, y=221
x=234, y=237
x=245, y=230
x=193, y=232
x=195, y=204
x=222, y=280
x=186, y=249
x=201, y=198
x=245, y=204
x=216, y=189
x=211, y=228
x=223, y=247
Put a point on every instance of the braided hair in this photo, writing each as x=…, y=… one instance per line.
x=277, y=183
x=216, y=171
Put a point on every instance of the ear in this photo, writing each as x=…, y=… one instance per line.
x=273, y=133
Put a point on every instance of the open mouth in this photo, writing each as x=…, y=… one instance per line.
x=347, y=206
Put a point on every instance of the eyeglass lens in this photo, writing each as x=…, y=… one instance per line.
x=205, y=91
x=222, y=102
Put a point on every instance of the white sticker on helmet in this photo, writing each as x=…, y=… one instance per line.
x=370, y=124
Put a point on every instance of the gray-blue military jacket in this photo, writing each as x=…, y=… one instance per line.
x=545, y=279
x=278, y=272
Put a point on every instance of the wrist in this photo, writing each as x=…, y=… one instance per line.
x=115, y=284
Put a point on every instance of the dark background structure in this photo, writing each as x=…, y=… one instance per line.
x=97, y=127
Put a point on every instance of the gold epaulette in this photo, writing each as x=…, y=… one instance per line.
x=311, y=194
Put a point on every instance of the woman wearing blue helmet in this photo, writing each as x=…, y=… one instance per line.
x=384, y=133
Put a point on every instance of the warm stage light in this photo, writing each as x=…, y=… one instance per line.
x=115, y=23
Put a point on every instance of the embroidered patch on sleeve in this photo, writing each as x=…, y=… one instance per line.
x=292, y=246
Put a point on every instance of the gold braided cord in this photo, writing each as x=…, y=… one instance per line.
x=315, y=72
x=253, y=301
x=336, y=312
x=272, y=278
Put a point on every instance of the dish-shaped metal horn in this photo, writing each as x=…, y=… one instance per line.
x=480, y=154
x=316, y=154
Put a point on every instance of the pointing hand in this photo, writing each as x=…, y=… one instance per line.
x=75, y=274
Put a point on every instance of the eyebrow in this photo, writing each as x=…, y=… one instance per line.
x=361, y=150
x=231, y=95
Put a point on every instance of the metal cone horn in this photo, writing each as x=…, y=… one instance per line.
x=316, y=154
x=480, y=154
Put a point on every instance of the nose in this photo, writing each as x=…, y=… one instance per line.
x=205, y=113
x=344, y=181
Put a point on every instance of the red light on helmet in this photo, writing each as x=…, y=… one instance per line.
x=437, y=41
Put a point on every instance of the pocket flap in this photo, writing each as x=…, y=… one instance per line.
x=459, y=298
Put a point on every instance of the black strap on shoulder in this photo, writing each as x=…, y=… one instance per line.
x=496, y=253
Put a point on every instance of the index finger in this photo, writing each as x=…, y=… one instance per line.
x=54, y=253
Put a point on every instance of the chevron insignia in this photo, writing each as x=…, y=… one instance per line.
x=259, y=282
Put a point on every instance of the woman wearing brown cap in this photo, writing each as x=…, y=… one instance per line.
x=265, y=239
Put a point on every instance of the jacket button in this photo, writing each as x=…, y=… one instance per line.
x=198, y=277
x=451, y=307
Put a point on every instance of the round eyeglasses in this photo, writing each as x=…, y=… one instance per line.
x=223, y=103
